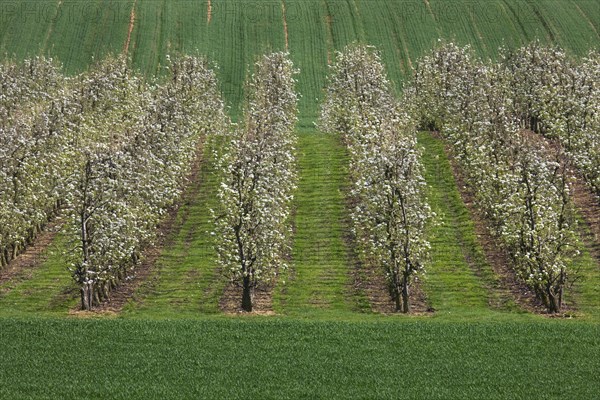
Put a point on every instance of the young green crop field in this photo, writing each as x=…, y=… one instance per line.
x=322, y=338
x=290, y=359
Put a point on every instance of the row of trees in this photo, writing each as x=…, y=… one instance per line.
x=258, y=165
x=33, y=80
x=107, y=146
x=51, y=122
x=390, y=212
x=123, y=189
x=559, y=96
x=34, y=159
x=114, y=150
x=523, y=191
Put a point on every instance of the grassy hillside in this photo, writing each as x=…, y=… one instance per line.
x=232, y=33
x=237, y=30
x=171, y=339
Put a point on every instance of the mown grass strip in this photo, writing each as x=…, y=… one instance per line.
x=585, y=292
x=459, y=277
x=320, y=277
x=47, y=288
x=185, y=278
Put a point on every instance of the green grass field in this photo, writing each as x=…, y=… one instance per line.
x=172, y=341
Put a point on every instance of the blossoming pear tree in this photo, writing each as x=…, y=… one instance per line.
x=391, y=212
x=252, y=223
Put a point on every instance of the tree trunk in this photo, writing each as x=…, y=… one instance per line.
x=95, y=295
x=396, y=292
x=247, y=295
x=560, y=296
x=83, y=297
x=105, y=291
x=553, y=302
x=397, y=299
x=405, y=296
x=6, y=255
x=86, y=296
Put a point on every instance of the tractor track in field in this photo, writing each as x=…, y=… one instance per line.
x=516, y=19
x=51, y=26
x=126, y=290
x=130, y=28
x=400, y=33
x=510, y=286
x=428, y=6
x=285, y=26
x=208, y=12
x=330, y=38
x=477, y=31
x=587, y=19
x=546, y=24
x=407, y=52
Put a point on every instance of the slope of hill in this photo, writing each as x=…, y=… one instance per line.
x=232, y=33
x=477, y=343
x=237, y=30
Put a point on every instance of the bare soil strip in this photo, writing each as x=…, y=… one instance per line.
x=131, y=26
x=285, y=26
x=32, y=258
x=495, y=256
x=231, y=300
x=122, y=294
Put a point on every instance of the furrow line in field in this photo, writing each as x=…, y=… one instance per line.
x=586, y=18
x=477, y=31
x=51, y=26
x=130, y=28
x=209, y=12
x=285, y=26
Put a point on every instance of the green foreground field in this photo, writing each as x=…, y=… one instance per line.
x=171, y=340
x=287, y=359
